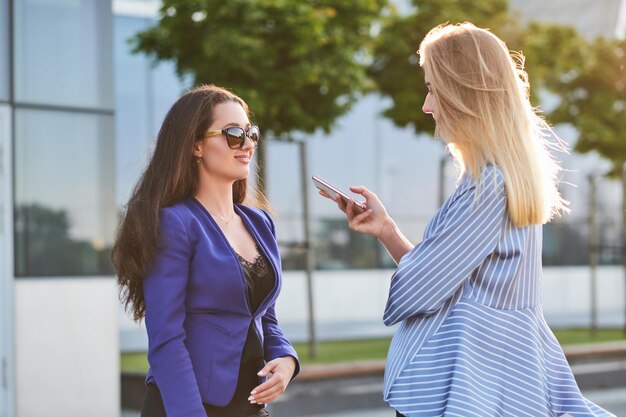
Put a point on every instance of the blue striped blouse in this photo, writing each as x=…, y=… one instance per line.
x=472, y=339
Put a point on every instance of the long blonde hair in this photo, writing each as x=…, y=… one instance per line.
x=483, y=110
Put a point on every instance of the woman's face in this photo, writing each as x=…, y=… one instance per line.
x=218, y=160
x=429, y=101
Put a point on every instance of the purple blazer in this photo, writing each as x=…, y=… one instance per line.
x=198, y=311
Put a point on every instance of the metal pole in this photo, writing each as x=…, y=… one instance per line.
x=442, y=185
x=593, y=252
x=624, y=236
x=309, y=247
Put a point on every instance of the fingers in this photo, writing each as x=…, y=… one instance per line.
x=268, y=391
x=323, y=193
x=336, y=199
x=269, y=367
x=279, y=372
x=359, y=219
x=363, y=191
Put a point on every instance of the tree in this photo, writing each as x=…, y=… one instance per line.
x=44, y=246
x=299, y=65
x=549, y=50
x=395, y=68
x=594, y=101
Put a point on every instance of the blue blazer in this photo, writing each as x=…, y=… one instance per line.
x=198, y=311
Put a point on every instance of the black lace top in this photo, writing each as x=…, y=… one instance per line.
x=260, y=279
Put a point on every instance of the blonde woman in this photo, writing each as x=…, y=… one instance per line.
x=472, y=339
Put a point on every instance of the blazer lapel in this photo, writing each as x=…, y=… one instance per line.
x=263, y=237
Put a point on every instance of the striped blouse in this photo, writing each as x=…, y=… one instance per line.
x=472, y=339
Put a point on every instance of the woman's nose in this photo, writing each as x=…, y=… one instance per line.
x=248, y=144
x=427, y=106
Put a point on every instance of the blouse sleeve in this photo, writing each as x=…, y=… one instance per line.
x=275, y=343
x=164, y=294
x=433, y=271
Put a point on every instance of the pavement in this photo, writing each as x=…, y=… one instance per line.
x=613, y=400
x=355, y=388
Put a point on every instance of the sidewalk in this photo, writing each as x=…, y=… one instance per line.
x=613, y=400
x=597, y=367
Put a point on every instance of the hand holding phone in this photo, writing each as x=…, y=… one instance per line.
x=334, y=192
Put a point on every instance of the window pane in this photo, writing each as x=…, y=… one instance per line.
x=143, y=95
x=63, y=53
x=4, y=50
x=64, y=193
x=132, y=126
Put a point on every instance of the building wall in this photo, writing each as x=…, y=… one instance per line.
x=7, y=368
x=56, y=85
x=67, y=348
x=80, y=139
x=350, y=304
x=592, y=18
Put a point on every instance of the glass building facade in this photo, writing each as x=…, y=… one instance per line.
x=79, y=113
x=4, y=50
x=63, y=136
x=57, y=181
x=144, y=92
x=85, y=112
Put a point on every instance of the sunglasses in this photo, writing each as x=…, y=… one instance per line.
x=236, y=136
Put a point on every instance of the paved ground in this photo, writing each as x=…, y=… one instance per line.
x=355, y=389
x=614, y=400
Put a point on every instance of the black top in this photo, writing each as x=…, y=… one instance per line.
x=260, y=279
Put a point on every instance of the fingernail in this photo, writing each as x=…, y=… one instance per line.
x=253, y=392
x=252, y=402
x=250, y=398
x=261, y=373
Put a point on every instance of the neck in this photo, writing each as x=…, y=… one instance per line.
x=217, y=197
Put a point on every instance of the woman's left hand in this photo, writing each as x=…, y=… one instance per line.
x=278, y=372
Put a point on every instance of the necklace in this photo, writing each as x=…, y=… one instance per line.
x=223, y=220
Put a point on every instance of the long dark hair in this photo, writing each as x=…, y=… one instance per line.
x=170, y=177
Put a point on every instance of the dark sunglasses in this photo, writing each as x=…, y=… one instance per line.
x=236, y=136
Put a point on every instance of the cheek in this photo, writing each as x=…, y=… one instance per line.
x=215, y=157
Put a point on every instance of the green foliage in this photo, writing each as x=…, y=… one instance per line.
x=372, y=349
x=549, y=50
x=45, y=247
x=299, y=65
x=577, y=336
x=396, y=69
x=594, y=101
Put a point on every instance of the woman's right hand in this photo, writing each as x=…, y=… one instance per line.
x=373, y=221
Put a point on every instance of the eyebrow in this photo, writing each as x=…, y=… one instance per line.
x=235, y=124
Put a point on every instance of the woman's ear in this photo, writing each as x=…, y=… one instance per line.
x=198, y=149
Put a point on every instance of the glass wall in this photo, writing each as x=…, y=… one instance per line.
x=64, y=193
x=4, y=50
x=63, y=53
x=64, y=147
x=143, y=95
x=6, y=276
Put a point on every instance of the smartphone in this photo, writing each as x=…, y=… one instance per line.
x=334, y=191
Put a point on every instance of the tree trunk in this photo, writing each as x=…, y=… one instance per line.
x=260, y=167
x=623, y=176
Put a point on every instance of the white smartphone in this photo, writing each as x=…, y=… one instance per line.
x=334, y=191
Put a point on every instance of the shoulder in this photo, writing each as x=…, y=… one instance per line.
x=179, y=213
x=486, y=191
x=491, y=181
